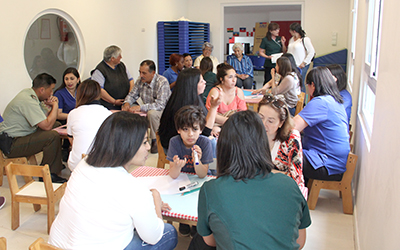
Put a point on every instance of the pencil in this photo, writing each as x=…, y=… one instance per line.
x=191, y=191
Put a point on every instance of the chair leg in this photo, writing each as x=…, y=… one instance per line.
x=36, y=207
x=50, y=215
x=347, y=200
x=313, y=196
x=160, y=164
x=32, y=160
x=1, y=174
x=14, y=215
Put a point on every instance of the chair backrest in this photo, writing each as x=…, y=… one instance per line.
x=40, y=244
x=162, y=158
x=3, y=243
x=300, y=103
x=350, y=167
x=29, y=171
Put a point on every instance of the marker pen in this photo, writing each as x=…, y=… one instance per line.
x=196, y=157
x=188, y=186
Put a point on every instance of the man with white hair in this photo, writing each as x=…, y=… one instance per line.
x=114, y=78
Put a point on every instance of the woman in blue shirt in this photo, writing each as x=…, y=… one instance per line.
x=324, y=124
x=176, y=62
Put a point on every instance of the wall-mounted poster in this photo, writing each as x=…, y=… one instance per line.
x=45, y=29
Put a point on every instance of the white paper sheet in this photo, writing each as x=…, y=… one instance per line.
x=275, y=57
x=165, y=184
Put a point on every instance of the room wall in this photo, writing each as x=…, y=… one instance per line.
x=320, y=19
x=102, y=23
x=377, y=185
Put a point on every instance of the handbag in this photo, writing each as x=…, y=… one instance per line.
x=5, y=143
x=302, y=40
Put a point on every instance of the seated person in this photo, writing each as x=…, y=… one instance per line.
x=176, y=65
x=247, y=206
x=206, y=67
x=153, y=89
x=84, y=121
x=187, y=61
x=207, y=50
x=325, y=128
x=284, y=140
x=243, y=67
x=29, y=123
x=66, y=93
x=131, y=216
x=189, y=122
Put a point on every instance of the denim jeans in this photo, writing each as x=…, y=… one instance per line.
x=168, y=241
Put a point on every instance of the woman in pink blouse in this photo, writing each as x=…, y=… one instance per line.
x=284, y=140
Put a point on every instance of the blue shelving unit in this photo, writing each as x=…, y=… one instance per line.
x=180, y=37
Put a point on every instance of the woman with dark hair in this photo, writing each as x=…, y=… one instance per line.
x=247, y=206
x=283, y=139
x=66, y=93
x=296, y=70
x=232, y=97
x=206, y=68
x=130, y=217
x=84, y=121
x=187, y=61
x=188, y=89
x=176, y=62
x=271, y=44
x=341, y=80
x=325, y=128
x=301, y=48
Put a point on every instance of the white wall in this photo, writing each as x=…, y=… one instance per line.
x=377, y=187
x=101, y=22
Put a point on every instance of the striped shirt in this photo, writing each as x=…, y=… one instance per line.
x=245, y=66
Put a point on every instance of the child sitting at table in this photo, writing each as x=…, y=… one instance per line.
x=189, y=122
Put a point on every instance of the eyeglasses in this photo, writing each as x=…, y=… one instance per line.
x=274, y=100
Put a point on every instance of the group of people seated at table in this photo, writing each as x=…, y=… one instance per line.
x=263, y=164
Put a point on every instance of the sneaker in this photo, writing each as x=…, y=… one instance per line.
x=193, y=231
x=184, y=229
x=57, y=179
x=2, y=201
x=154, y=149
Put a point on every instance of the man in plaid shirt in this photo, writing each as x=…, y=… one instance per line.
x=153, y=90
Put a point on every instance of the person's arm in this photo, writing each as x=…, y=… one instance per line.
x=264, y=89
x=131, y=84
x=61, y=115
x=262, y=53
x=310, y=51
x=176, y=166
x=248, y=67
x=299, y=123
x=163, y=93
x=301, y=240
x=106, y=97
x=201, y=169
x=210, y=240
x=131, y=97
x=286, y=85
x=157, y=202
x=212, y=111
x=283, y=41
x=51, y=118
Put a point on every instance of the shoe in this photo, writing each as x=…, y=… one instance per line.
x=184, y=229
x=193, y=231
x=2, y=201
x=57, y=179
x=154, y=149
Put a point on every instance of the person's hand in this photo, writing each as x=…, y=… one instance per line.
x=165, y=207
x=272, y=72
x=215, y=101
x=179, y=163
x=302, y=65
x=134, y=109
x=199, y=152
x=258, y=91
x=215, y=131
x=245, y=76
x=125, y=107
x=283, y=39
x=118, y=102
x=51, y=101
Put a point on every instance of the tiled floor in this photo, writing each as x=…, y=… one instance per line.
x=330, y=228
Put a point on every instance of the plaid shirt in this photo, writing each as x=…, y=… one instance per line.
x=154, y=95
x=245, y=66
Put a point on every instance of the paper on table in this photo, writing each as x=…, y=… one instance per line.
x=165, y=184
x=275, y=57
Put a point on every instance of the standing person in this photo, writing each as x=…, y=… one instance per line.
x=131, y=218
x=206, y=67
x=284, y=141
x=243, y=67
x=232, y=98
x=207, y=50
x=153, y=90
x=187, y=61
x=114, y=78
x=341, y=80
x=66, y=93
x=30, y=129
x=85, y=120
x=301, y=48
x=272, y=43
x=176, y=65
x=247, y=206
x=325, y=129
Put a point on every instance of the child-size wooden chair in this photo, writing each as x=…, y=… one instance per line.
x=162, y=158
x=35, y=192
x=300, y=103
x=21, y=160
x=343, y=186
x=40, y=244
x=3, y=242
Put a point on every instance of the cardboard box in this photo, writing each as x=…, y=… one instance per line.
x=261, y=30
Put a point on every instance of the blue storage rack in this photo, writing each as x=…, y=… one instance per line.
x=180, y=37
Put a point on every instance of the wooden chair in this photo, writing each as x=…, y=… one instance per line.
x=21, y=160
x=300, y=103
x=35, y=192
x=162, y=158
x=40, y=244
x=343, y=186
x=3, y=242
